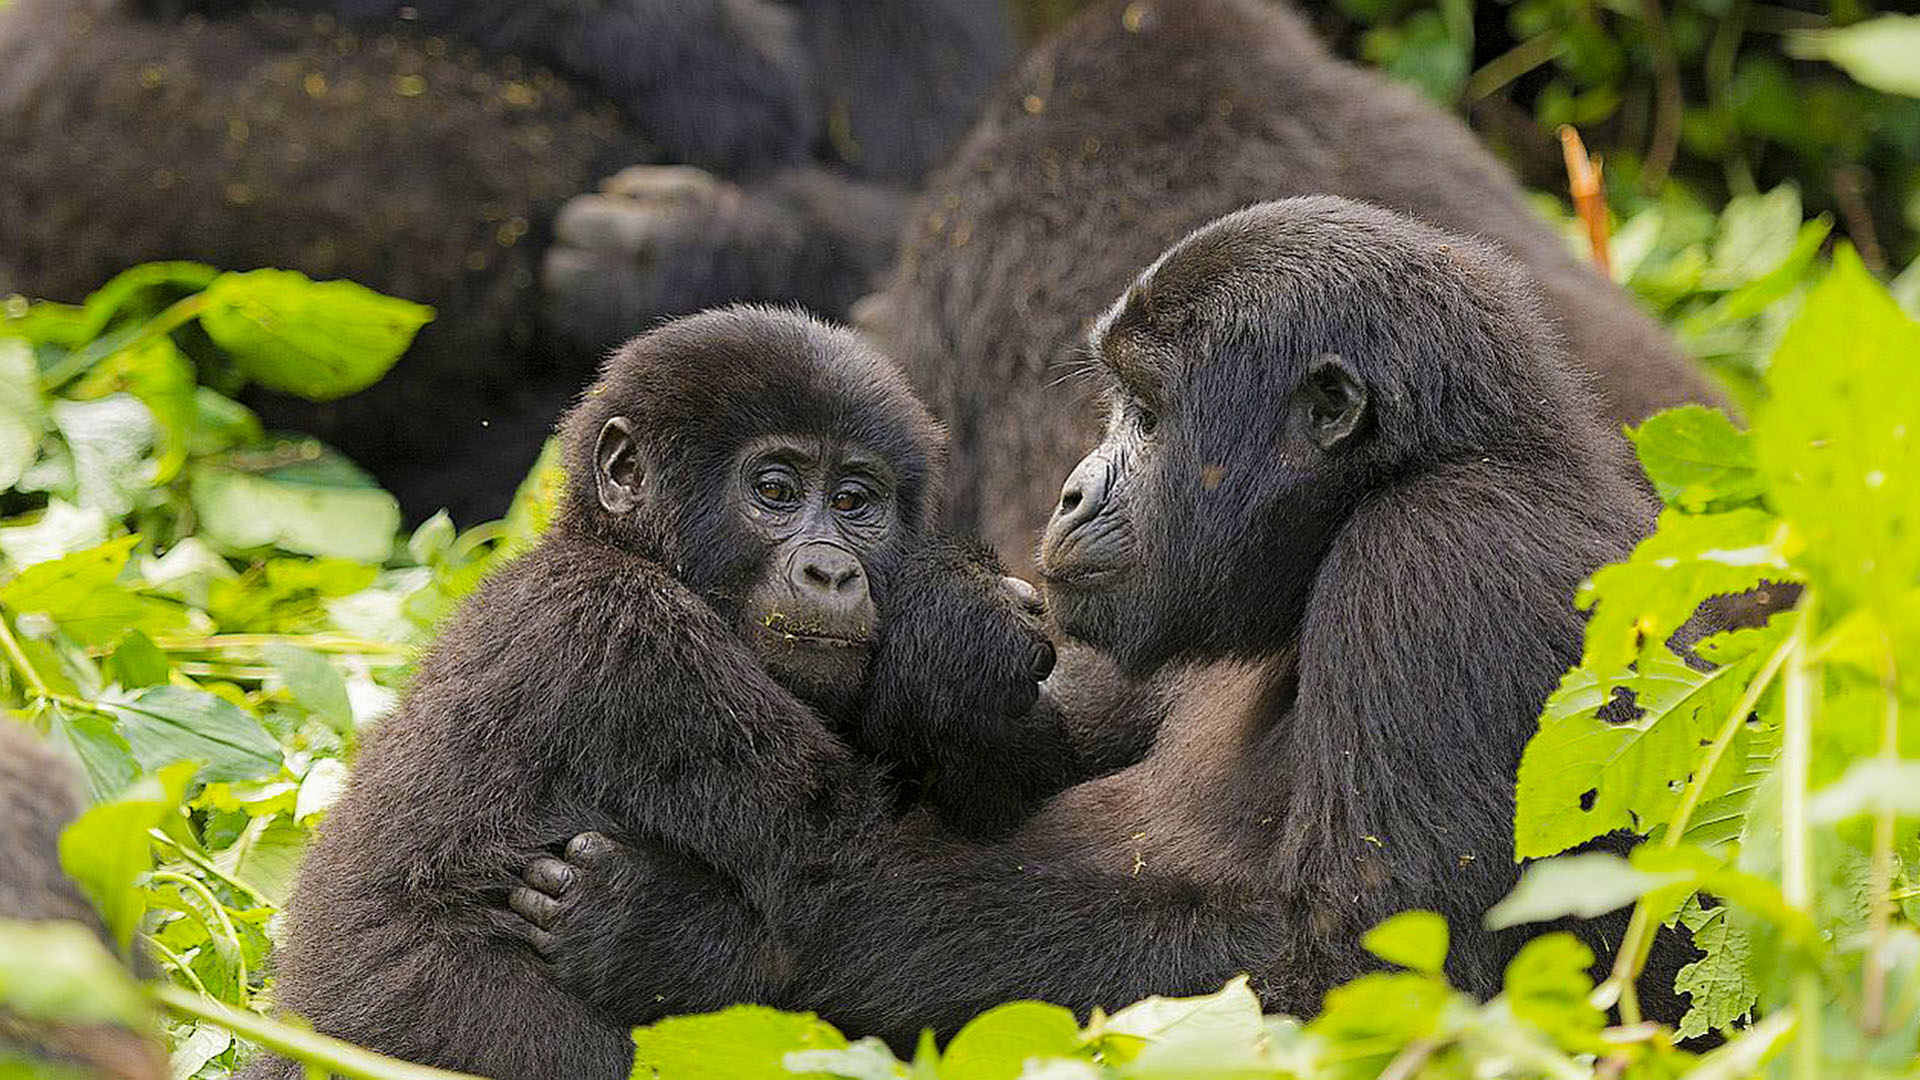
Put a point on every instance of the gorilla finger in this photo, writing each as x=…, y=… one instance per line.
x=544, y=943
x=536, y=907
x=550, y=876
x=590, y=847
x=1024, y=594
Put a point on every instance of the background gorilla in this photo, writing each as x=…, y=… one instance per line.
x=1343, y=462
x=410, y=147
x=1138, y=122
x=669, y=664
x=39, y=797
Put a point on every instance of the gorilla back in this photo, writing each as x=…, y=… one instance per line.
x=1143, y=120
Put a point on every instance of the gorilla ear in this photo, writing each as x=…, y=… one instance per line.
x=620, y=468
x=1336, y=401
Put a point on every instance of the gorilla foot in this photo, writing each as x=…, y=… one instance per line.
x=649, y=244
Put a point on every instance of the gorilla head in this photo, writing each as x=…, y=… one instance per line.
x=1197, y=527
x=776, y=466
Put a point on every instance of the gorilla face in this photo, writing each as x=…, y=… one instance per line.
x=1231, y=456
x=815, y=527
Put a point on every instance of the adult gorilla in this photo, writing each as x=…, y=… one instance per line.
x=1345, y=463
x=426, y=149
x=1137, y=123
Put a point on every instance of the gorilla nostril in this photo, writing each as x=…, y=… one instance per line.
x=1069, y=500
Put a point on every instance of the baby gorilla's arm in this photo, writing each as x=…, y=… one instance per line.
x=955, y=703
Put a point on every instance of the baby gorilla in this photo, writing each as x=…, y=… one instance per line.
x=744, y=536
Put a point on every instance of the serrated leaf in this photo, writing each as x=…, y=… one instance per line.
x=1839, y=442
x=1639, y=603
x=106, y=849
x=997, y=1044
x=1411, y=939
x=1719, y=986
x=745, y=1042
x=172, y=723
x=316, y=340
x=1697, y=459
x=1582, y=776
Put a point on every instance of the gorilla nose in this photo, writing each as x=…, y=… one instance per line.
x=828, y=573
x=1081, y=499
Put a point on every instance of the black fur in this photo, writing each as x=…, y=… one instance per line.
x=606, y=681
x=425, y=149
x=38, y=798
x=1380, y=597
x=1138, y=122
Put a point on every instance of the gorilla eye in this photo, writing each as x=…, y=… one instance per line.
x=849, y=501
x=1147, y=419
x=775, y=491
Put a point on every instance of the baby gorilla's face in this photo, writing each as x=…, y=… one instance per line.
x=827, y=516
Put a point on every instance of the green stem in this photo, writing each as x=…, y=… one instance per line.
x=336, y=1058
x=1799, y=686
x=18, y=657
x=1635, y=946
x=1512, y=64
x=77, y=363
x=219, y=912
x=323, y=643
x=1880, y=888
x=179, y=963
x=206, y=865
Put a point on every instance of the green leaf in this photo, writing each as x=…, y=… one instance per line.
x=323, y=508
x=1698, y=460
x=21, y=418
x=1719, y=985
x=1639, y=603
x=62, y=530
x=1162, y=1035
x=137, y=662
x=1583, y=776
x=1586, y=886
x=106, y=761
x=313, y=682
x=106, y=850
x=1883, y=53
x=109, y=439
x=266, y=856
x=1411, y=939
x=996, y=1044
x=59, y=971
x=80, y=595
x=1839, y=441
x=1548, y=987
x=1756, y=234
x=868, y=1059
x=745, y=1042
x=1870, y=787
x=317, y=340
x=172, y=723
x=157, y=373
x=1374, y=1017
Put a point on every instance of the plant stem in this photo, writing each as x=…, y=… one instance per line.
x=1512, y=64
x=77, y=363
x=1637, y=943
x=206, y=865
x=323, y=643
x=331, y=1055
x=18, y=657
x=179, y=963
x=1799, y=686
x=1880, y=882
x=219, y=913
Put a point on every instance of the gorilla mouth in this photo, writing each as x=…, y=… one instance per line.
x=782, y=629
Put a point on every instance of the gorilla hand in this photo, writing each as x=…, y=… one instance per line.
x=613, y=924
x=954, y=699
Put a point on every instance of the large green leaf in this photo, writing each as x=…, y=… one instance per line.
x=1585, y=885
x=58, y=971
x=1411, y=939
x=997, y=1044
x=745, y=1042
x=1697, y=459
x=1883, y=53
x=1839, y=442
x=172, y=723
x=317, y=508
x=318, y=340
